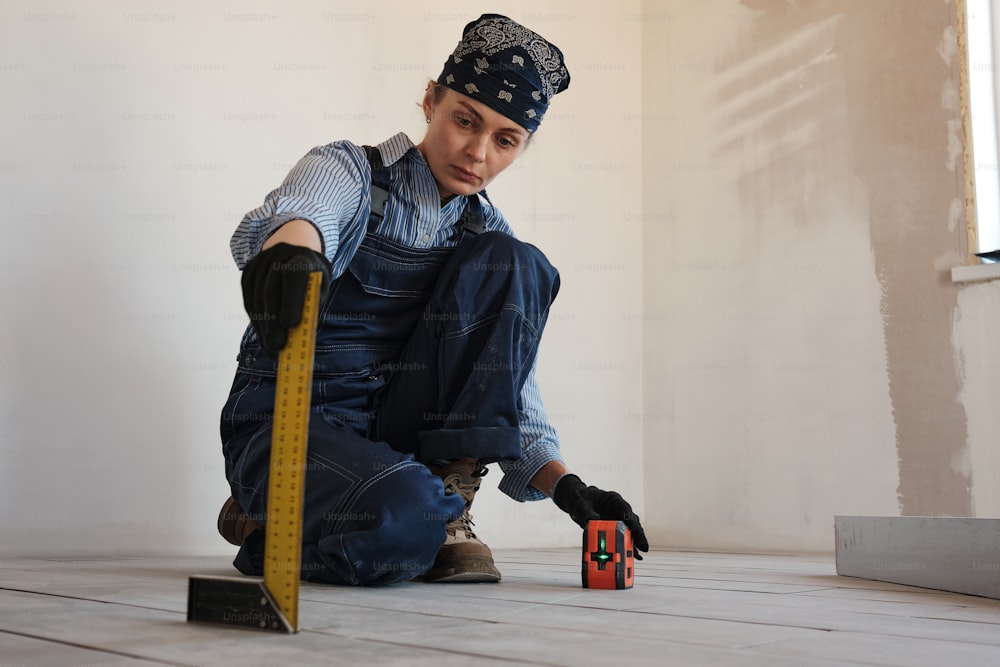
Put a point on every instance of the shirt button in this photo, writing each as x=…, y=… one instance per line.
x=427, y=238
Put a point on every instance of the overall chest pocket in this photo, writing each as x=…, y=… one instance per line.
x=393, y=270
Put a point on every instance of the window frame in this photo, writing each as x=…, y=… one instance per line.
x=978, y=48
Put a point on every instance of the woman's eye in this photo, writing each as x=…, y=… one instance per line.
x=463, y=121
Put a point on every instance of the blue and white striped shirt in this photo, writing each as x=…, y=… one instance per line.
x=331, y=188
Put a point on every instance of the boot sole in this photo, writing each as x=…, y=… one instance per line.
x=470, y=573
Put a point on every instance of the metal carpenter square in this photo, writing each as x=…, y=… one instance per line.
x=273, y=604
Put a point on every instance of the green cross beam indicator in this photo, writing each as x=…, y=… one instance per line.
x=601, y=556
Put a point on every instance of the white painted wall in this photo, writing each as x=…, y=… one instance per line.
x=134, y=138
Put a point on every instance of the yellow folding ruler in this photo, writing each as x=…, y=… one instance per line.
x=273, y=604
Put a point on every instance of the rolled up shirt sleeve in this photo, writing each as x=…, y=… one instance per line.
x=539, y=445
x=327, y=188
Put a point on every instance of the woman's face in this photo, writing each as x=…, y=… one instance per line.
x=467, y=144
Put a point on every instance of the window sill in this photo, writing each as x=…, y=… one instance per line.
x=975, y=272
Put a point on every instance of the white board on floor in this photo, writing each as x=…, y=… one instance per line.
x=945, y=553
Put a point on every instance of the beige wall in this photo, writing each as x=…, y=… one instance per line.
x=807, y=354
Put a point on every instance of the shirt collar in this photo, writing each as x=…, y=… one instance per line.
x=395, y=147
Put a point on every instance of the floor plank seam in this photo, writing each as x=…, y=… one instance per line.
x=64, y=596
x=732, y=620
x=96, y=649
x=878, y=633
x=421, y=647
x=751, y=649
x=959, y=620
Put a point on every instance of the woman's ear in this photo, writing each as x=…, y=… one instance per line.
x=428, y=103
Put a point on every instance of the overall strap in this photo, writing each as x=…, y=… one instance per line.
x=472, y=219
x=380, y=184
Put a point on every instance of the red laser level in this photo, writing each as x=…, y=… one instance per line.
x=608, y=558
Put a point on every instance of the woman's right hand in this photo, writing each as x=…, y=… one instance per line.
x=274, y=290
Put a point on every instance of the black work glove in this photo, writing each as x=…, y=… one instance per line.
x=588, y=503
x=274, y=291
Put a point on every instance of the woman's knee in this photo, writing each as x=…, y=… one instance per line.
x=404, y=516
x=499, y=259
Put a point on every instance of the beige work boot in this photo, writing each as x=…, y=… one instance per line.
x=234, y=523
x=463, y=556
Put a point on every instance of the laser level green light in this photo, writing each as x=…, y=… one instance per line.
x=602, y=554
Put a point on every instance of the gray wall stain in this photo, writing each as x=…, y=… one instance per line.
x=904, y=132
x=892, y=78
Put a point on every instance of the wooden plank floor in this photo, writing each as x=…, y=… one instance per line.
x=686, y=609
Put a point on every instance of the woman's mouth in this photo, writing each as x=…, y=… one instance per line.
x=463, y=175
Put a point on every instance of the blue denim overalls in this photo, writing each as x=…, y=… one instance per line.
x=421, y=355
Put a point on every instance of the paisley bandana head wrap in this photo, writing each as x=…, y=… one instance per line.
x=507, y=67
